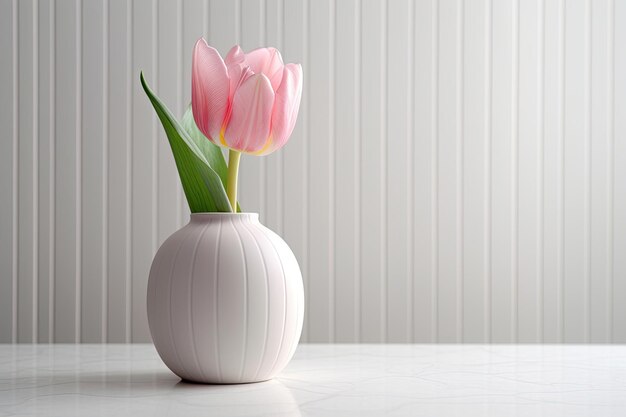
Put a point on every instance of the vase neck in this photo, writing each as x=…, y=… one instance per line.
x=221, y=217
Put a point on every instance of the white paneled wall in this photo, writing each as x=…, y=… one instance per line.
x=458, y=171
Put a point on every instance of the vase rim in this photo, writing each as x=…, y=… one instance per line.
x=224, y=215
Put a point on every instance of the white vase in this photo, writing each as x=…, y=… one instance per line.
x=225, y=300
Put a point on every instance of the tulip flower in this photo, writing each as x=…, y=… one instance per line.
x=247, y=102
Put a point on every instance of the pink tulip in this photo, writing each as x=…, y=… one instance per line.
x=246, y=102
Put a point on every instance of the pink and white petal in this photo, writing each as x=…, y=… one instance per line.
x=209, y=89
x=235, y=56
x=258, y=58
x=249, y=125
x=286, y=106
x=237, y=73
x=269, y=62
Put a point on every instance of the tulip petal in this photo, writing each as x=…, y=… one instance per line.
x=267, y=61
x=286, y=106
x=238, y=73
x=236, y=63
x=235, y=56
x=249, y=125
x=209, y=89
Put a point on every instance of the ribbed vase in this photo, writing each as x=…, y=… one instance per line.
x=225, y=300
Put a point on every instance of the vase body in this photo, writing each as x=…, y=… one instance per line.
x=225, y=300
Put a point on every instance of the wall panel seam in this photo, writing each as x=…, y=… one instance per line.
x=280, y=206
x=263, y=204
x=384, y=272
x=610, y=166
x=129, y=170
x=515, y=176
x=79, y=168
x=488, y=172
x=435, y=178
x=588, y=163
x=307, y=164
x=105, y=171
x=15, y=57
x=331, y=175
x=540, y=175
x=460, y=165
x=410, y=155
x=561, y=211
x=358, y=167
x=179, y=99
x=155, y=143
x=52, y=183
x=35, y=183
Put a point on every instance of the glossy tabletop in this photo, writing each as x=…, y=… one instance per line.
x=323, y=380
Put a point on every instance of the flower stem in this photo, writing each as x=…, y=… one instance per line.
x=231, y=184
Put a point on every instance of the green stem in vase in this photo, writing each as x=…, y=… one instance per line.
x=233, y=172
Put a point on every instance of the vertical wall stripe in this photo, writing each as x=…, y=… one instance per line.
x=397, y=176
x=7, y=164
x=262, y=161
x=600, y=178
x=434, y=278
x=474, y=161
x=280, y=204
x=373, y=246
x=455, y=173
x=15, y=177
x=358, y=166
x=575, y=171
x=273, y=178
x=307, y=163
x=94, y=148
x=384, y=116
x=180, y=197
x=460, y=165
x=550, y=102
x=35, y=191
x=410, y=186
x=129, y=171
x=421, y=170
x=79, y=168
x=540, y=174
x=28, y=170
x=502, y=213
x=320, y=195
x=331, y=175
x=67, y=135
x=449, y=177
x=619, y=173
x=587, y=238
x=53, y=158
x=155, y=148
x=561, y=209
x=345, y=185
x=295, y=153
x=529, y=166
x=105, y=171
x=488, y=177
x=610, y=166
x=515, y=177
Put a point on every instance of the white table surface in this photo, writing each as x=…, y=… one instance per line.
x=323, y=380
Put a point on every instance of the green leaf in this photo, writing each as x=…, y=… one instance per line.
x=211, y=152
x=203, y=187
